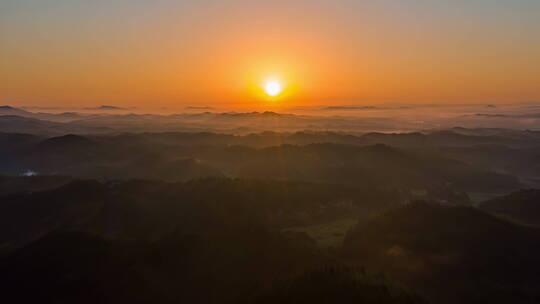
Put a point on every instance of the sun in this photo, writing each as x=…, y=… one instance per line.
x=273, y=87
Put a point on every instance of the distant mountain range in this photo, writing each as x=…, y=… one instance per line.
x=415, y=162
x=108, y=108
x=489, y=128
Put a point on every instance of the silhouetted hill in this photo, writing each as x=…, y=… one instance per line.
x=183, y=156
x=8, y=110
x=229, y=241
x=21, y=184
x=30, y=125
x=339, y=285
x=522, y=206
x=17, y=140
x=213, y=247
x=149, y=210
x=107, y=108
x=19, y=124
x=451, y=138
x=378, y=164
x=69, y=141
x=55, y=117
x=454, y=254
x=404, y=139
x=523, y=162
x=29, y=215
x=75, y=267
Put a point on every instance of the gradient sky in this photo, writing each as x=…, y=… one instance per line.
x=165, y=53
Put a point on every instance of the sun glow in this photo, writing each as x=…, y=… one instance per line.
x=273, y=87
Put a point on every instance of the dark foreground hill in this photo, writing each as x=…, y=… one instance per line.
x=452, y=254
x=149, y=210
x=228, y=241
x=256, y=267
x=522, y=206
x=212, y=267
x=207, y=241
x=339, y=285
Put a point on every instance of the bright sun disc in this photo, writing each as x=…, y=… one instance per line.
x=273, y=87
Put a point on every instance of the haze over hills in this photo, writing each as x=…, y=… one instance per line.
x=270, y=152
x=259, y=207
x=392, y=119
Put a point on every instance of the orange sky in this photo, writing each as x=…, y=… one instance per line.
x=197, y=53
